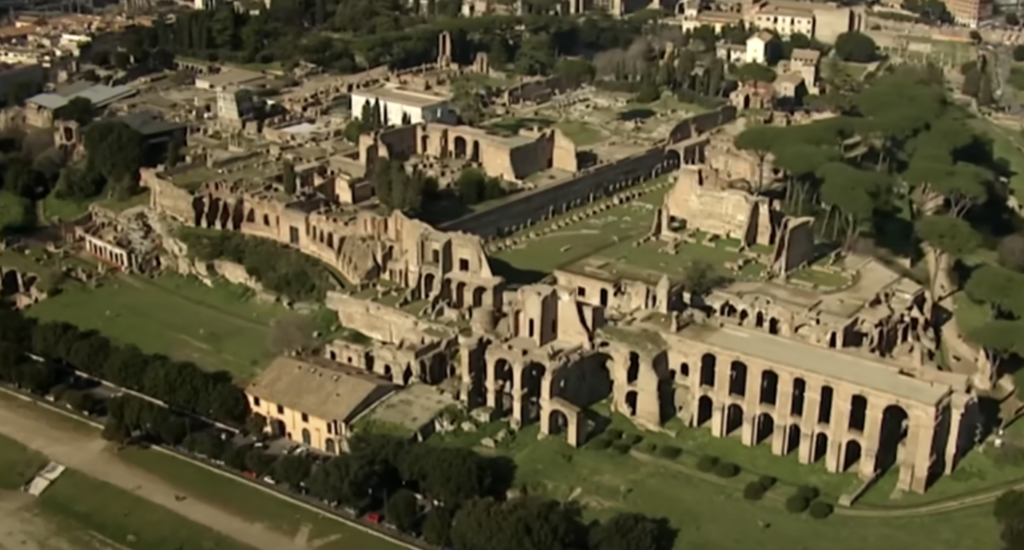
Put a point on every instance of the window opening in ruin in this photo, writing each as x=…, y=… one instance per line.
x=851, y=454
x=832, y=339
x=796, y=407
x=792, y=439
x=707, y=370
x=305, y=417
x=773, y=326
x=280, y=409
x=895, y=424
x=633, y=372
x=435, y=256
x=631, y=398
x=581, y=292
x=334, y=356
x=705, y=410
x=256, y=401
x=820, y=447
x=825, y=407
x=738, y=378
x=463, y=264
x=307, y=438
x=604, y=297
x=858, y=413
x=769, y=387
x=733, y=418
x=293, y=235
x=529, y=330
x=764, y=429
x=684, y=370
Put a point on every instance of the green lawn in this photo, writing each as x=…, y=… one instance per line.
x=712, y=516
x=218, y=328
x=252, y=504
x=581, y=133
x=15, y=212
x=18, y=464
x=84, y=506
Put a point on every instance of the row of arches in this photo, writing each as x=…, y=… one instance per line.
x=761, y=320
x=462, y=148
x=330, y=447
x=460, y=295
x=892, y=435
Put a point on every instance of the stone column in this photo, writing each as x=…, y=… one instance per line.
x=751, y=405
x=717, y=417
x=872, y=439
x=953, y=439
x=465, y=365
x=782, y=417
x=918, y=458
x=809, y=421
x=517, y=391
x=720, y=395
x=839, y=431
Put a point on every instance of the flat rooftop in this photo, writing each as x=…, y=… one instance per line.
x=402, y=96
x=828, y=363
x=408, y=410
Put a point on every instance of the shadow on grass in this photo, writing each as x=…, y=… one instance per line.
x=514, y=275
x=637, y=114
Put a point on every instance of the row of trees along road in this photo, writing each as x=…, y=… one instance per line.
x=449, y=496
x=904, y=169
x=180, y=384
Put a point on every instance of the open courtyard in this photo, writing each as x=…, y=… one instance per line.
x=218, y=328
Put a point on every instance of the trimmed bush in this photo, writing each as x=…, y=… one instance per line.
x=613, y=433
x=632, y=439
x=621, y=447
x=753, y=491
x=809, y=492
x=669, y=452
x=820, y=510
x=726, y=470
x=600, y=443
x=648, y=447
x=767, y=482
x=796, y=504
x=707, y=463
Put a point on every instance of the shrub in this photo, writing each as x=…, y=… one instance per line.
x=669, y=452
x=753, y=491
x=726, y=470
x=599, y=443
x=767, y=482
x=621, y=447
x=632, y=439
x=809, y=492
x=648, y=447
x=796, y=504
x=707, y=463
x=820, y=510
x=613, y=433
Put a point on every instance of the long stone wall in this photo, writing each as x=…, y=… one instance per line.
x=532, y=206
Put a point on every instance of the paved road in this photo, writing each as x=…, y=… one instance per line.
x=89, y=455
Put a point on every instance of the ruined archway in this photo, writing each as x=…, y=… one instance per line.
x=744, y=315
x=631, y=400
x=460, y=294
x=389, y=373
x=460, y=147
x=774, y=326
x=428, y=285
x=894, y=429
x=764, y=428
x=633, y=370
x=684, y=370
x=796, y=405
x=733, y=418
x=533, y=380
x=825, y=405
x=759, y=320
x=474, y=154
x=820, y=446
x=851, y=454
x=478, y=296
x=307, y=438
x=250, y=217
x=769, y=387
x=738, y=378
x=705, y=410
x=708, y=361
x=558, y=422
x=858, y=413
x=198, y=210
x=502, y=373
x=727, y=310
x=672, y=159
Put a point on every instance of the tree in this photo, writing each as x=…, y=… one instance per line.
x=78, y=109
x=755, y=72
x=437, y=526
x=114, y=149
x=976, y=37
x=758, y=140
x=292, y=470
x=174, y=152
x=468, y=101
x=470, y=186
x=574, y=72
x=256, y=424
x=701, y=277
x=1018, y=52
x=628, y=531
x=856, y=47
x=1011, y=252
x=354, y=129
x=1012, y=19
x=288, y=177
x=402, y=510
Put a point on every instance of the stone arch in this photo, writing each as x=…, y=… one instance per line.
x=851, y=454
x=604, y=297
x=503, y=372
x=388, y=373
x=307, y=438
x=250, y=217
x=533, y=379
x=832, y=339
x=266, y=220
x=705, y=410
x=672, y=158
x=738, y=378
x=708, y=362
x=744, y=315
x=820, y=446
x=212, y=213
x=825, y=405
x=474, y=153
x=330, y=240
x=368, y=361
x=858, y=413
x=759, y=320
x=633, y=368
x=330, y=447
x=769, y=387
x=894, y=429
x=407, y=375
x=224, y=215
x=460, y=294
x=733, y=418
x=461, y=147
x=558, y=422
x=9, y=282
x=237, y=215
x=198, y=210
x=727, y=310
x=774, y=326
x=478, y=296
x=428, y=284
x=684, y=369
x=796, y=405
x=764, y=427
x=631, y=400
x=792, y=438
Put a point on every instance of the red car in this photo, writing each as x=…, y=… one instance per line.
x=374, y=517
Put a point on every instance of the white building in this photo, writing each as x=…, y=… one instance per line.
x=757, y=47
x=401, y=106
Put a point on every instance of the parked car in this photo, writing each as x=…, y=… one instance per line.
x=374, y=518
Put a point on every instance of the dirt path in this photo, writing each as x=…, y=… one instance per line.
x=90, y=456
x=21, y=530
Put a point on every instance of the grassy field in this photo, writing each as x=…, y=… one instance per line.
x=18, y=464
x=65, y=210
x=710, y=516
x=252, y=504
x=14, y=212
x=80, y=503
x=218, y=328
